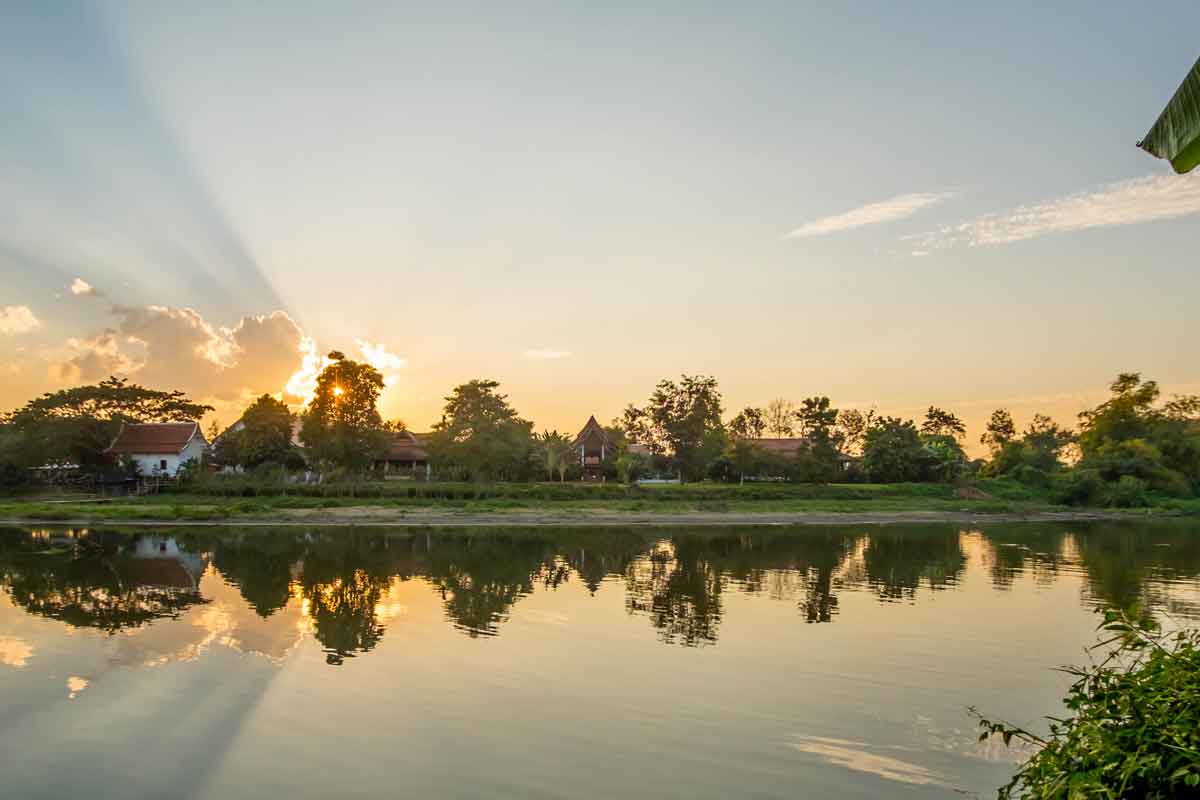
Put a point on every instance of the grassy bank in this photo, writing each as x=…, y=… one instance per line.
x=233, y=500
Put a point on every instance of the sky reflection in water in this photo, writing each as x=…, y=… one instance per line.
x=642, y=663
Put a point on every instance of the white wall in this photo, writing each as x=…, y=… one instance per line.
x=150, y=465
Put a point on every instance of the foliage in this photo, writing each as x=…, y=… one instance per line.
x=893, y=451
x=553, y=450
x=1000, y=431
x=1130, y=434
x=1134, y=724
x=780, y=417
x=852, y=427
x=939, y=422
x=77, y=425
x=681, y=419
x=341, y=426
x=480, y=436
x=750, y=423
x=264, y=437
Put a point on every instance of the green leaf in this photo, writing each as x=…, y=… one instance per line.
x=1176, y=134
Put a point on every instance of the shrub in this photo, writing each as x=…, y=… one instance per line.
x=1135, y=724
x=1031, y=476
x=1079, y=487
x=1128, y=492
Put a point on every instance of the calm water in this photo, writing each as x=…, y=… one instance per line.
x=549, y=664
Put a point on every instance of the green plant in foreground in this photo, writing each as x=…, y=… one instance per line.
x=1135, y=729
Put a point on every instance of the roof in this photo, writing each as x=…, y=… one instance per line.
x=157, y=438
x=406, y=446
x=788, y=448
x=592, y=428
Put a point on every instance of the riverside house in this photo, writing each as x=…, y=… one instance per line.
x=159, y=448
x=593, y=444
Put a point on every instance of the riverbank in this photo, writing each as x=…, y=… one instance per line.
x=367, y=516
x=559, y=504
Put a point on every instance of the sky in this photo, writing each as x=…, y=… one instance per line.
x=894, y=207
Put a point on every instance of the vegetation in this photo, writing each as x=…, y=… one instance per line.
x=264, y=437
x=1134, y=728
x=481, y=437
x=341, y=426
x=75, y=426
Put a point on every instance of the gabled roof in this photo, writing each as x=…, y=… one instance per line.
x=154, y=438
x=788, y=448
x=592, y=428
x=406, y=446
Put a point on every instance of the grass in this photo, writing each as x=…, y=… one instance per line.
x=242, y=500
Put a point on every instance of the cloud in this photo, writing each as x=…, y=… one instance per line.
x=898, y=207
x=378, y=357
x=82, y=288
x=1155, y=197
x=17, y=319
x=546, y=354
x=176, y=348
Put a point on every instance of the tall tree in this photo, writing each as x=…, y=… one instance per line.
x=481, y=437
x=1000, y=431
x=265, y=435
x=342, y=426
x=939, y=422
x=852, y=427
x=893, y=451
x=780, y=415
x=681, y=419
x=748, y=424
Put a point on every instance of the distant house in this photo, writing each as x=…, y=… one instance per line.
x=240, y=425
x=593, y=445
x=159, y=448
x=406, y=456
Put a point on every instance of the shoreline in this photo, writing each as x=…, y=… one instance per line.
x=368, y=517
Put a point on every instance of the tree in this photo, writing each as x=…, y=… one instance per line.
x=341, y=425
x=893, y=451
x=939, y=422
x=852, y=428
x=683, y=419
x=750, y=423
x=1000, y=431
x=780, y=417
x=481, y=437
x=266, y=434
x=817, y=423
x=554, y=450
x=77, y=425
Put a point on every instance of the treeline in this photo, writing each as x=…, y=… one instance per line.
x=1123, y=452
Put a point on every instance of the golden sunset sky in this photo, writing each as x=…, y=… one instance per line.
x=895, y=208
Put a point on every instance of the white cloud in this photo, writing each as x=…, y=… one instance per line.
x=546, y=354
x=378, y=357
x=80, y=287
x=898, y=207
x=17, y=319
x=1156, y=197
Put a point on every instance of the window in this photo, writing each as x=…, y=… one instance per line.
x=162, y=464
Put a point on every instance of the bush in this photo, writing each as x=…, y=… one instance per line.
x=1079, y=487
x=1128, y=492
x=1135, y=724
x=1031, y=476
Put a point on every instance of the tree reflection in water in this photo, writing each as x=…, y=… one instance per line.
x=679, y=582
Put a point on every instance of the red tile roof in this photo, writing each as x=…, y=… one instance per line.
x=154, y=438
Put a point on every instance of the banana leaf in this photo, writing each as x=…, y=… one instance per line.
x=1176, y=134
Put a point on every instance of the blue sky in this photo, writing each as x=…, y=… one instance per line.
x=580, y=199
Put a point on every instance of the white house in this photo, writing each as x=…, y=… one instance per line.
x=159, y=448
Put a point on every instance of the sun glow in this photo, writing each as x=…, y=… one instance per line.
x=338, y=391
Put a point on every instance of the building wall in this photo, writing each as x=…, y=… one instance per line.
x=150, y=465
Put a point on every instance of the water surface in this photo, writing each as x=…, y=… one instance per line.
x=550, y=663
